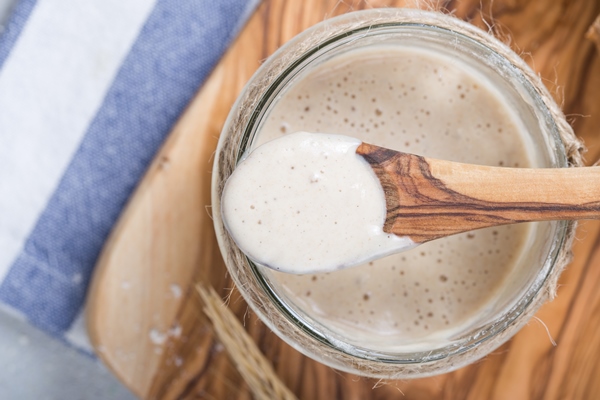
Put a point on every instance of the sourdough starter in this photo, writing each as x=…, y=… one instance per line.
x=424, y=103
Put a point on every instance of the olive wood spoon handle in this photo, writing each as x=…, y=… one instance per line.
x=428, y=198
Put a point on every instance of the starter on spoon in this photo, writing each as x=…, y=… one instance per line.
x=306, y=203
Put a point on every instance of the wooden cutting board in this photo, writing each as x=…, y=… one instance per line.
x=145, y=319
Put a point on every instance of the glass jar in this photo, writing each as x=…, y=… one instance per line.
x=532, y=279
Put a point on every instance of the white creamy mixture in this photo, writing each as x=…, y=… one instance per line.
x=307, y=202
x=419, y=102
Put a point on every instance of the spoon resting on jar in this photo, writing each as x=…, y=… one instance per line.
x=312, y=202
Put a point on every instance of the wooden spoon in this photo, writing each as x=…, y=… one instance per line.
x=306, y=202
x=428, y=199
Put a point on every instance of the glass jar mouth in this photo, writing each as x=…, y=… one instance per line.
x=303, y=325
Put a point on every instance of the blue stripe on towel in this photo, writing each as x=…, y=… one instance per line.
x=18, y=17
x=176, y=49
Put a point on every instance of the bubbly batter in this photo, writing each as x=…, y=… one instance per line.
x=424, y=103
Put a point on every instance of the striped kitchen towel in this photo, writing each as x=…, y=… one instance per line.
x=88, y=92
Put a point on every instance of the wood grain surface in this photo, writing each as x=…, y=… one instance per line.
x=146, y=321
